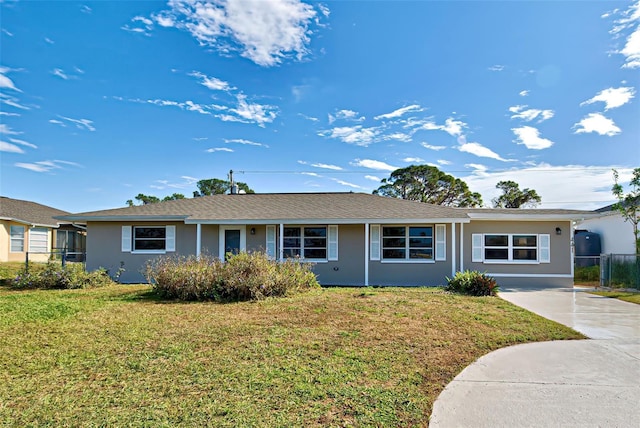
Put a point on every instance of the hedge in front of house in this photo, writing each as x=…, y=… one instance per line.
x=472, y=283
x=244, y=276
x=55, y=276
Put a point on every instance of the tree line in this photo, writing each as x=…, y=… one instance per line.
x=423, y=183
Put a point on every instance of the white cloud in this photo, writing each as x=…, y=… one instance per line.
x=23, y=143
x=373, y=178
x=7, y=32
x=431, y=147
x=524, y=93
x=477, y=167
x=479, y=150
x=266, y=32
x=86, y=9
x=612, y=97
x=443, y=162
x=45, y=166
x=413, y=160
x=596, y=122
x=530, y=137
x=628, y=27
x=9, y=148
x=399, y=112
x=60, y=73
x=327, y=166
x=346, y=183
x=48, y=40
x=373, y=164
x=399, y=136
x=244, y=142
x=140, y=25
x=212, y=83
x=345, y=115
x=521, y=112
x=219, y=149
x=57, y=122
x=12, y=101
x=5, y=129
x=496, y=67
x=252, y=112
x=353, y=134
x=6, y=82
x=311, y=118
x=80, y=123
x=453, y=127
x=4, y=113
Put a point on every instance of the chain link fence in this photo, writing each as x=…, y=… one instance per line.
x=620, y=271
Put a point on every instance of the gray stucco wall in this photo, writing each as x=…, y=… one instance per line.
x=556, y=273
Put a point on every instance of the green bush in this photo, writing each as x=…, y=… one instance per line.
x=245, y=276
x=586, y=274
x=472, y=283
x=55, y=276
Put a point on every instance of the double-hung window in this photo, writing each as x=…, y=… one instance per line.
x=305, y=242
x=407, y=242
x=17, y=239
x=510, y=248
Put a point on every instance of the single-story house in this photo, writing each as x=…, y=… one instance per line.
x=31, y=227
x=616, y=234
x=353, y=239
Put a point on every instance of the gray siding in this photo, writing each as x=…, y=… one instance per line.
x=557, y=272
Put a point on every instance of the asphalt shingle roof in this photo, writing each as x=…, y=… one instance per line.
x=29, y=212
x=281, y=206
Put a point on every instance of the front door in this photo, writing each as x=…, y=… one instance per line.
x=232, y=240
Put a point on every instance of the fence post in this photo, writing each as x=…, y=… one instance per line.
x=64, y=257
x=26, y=261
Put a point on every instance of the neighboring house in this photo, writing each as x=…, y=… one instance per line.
x=616, y=234
x=352, y=238
x=30, y=227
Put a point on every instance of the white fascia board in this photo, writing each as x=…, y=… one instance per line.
x=73, y=218
x=529, y=217
x=28, y=223
x=328, y=221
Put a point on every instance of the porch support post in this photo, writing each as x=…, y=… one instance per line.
x=366, y=254
x=280, y=249
x=453, y=249
x=461, y=246
x=198, y=239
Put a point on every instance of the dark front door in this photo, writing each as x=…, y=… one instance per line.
x=231, y=242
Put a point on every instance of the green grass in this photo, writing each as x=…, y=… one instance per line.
x=633, y=297
x=118, y=356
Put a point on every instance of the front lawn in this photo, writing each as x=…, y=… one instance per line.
x=117, y=356
x=633, y=297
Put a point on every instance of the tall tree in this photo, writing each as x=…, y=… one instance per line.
x=428, y=184
x=215, y=186
x=513, y=197
x=629, y=205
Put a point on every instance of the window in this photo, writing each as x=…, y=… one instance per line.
x=145, y=239
x=305, y=242
x=38, y=240
x=149, y=238
x=17, y=239
x=510, y=248
x=407, y=243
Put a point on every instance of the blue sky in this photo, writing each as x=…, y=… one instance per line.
x=100, y=101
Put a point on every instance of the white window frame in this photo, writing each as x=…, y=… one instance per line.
x=128, y=239
x=39, y=232
x=542, y=247
x=326, y=247
x=13, y=237
x=407, y=247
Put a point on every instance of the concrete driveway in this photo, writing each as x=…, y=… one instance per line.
x=579, y=383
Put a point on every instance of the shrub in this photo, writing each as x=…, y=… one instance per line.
x=55, y=276
x=472, y=283
x=245, y=276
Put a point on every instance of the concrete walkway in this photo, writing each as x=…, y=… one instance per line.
x=579, y=383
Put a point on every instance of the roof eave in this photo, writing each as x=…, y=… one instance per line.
x=85, y=218
x=328, y=221
x=530, y=217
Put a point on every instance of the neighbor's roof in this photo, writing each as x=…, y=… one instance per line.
x=532, y=214
x=29, y=213
x=286, y=207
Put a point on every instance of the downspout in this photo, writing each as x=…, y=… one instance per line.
x=281, y=243
x=461, y=247
x=366, y=254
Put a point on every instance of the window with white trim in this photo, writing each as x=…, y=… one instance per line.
x=17, y=239
x=305, y=242
x=407, y=243
x=38, y=240
x=144, y=239
x=510, y=248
